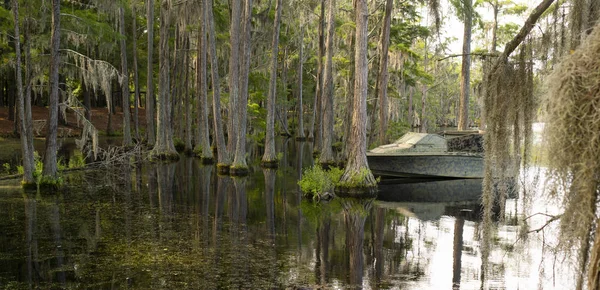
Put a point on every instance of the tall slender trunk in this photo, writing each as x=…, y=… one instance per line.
x=316, y=124
x=203, y=144
x=465, y=74
x=136, y=81
x=239, y=161
x=423, y=125
x=186, y=105
x=164, y=148
x=326, y=156
x=223, y=157
x=125, y=85
x=150, y=99
x=357, y=174
x=270, y=156
x=27, y=155
x=234, y=76
x=383, y=77
x=300, y=135
x=28, y=81
x=50, y=166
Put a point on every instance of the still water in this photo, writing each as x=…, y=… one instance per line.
x=181, y=226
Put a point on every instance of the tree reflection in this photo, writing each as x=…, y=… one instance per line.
x=459, y=225
x=355, y=215
x=31, y=232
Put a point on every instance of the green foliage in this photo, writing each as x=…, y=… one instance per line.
x=316, y=180
x=357, y=180
x=179, y=144
x=77, y=161
x=396, y=129
x=6, y=168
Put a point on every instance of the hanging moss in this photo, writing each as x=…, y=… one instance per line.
x=573, y=144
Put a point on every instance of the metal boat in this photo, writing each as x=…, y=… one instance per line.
x=422, y=155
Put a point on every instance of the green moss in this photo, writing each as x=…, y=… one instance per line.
x=337, y=146
x=163, y=156
x=270, y=163
x=179, y=144
x=238, y=170
x=223, y=168
x=359, y=184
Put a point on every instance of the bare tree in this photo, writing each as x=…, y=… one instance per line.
x=383, y=77
x=357, y=177
x=223, y=157
x=125, y=83
x=164, y=148
x=50, y=162
x=239, y=166
x=25, y=138
x=203, y=142
x=150, y=99
x=234, y=75
x=136, y=80
x=269, y=159
x=300, y=136
x=465, y=73
x=326, y=157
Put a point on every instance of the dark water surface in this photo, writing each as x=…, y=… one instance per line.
x=181, y=226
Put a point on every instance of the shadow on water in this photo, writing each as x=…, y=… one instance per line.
x=183, y=226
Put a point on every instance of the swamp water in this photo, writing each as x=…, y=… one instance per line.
x=181, y=226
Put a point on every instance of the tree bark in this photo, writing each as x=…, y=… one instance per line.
x=28, y=80
x=150, y=99
x=164, y=148
x=357, y=174
x=223, y=157
x=234, y=75
x=383, y=77
x=423, y=125
x=316, y=124
x=50, y=166
x=27, y=155
x=203, y=144
x=465, y=74
x=125, y=84
x=270, y=156
x=326, y=158
x=300, y=135
x=239, y=162
x=136, y=81
x=188, y=113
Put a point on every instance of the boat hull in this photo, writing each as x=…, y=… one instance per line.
x=427, y=165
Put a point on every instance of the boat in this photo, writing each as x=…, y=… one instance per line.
x=423, y=155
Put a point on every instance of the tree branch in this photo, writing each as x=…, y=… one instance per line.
x=481, y=54
x=554, y=218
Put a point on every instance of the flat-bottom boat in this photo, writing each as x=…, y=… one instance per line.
x=424, y=155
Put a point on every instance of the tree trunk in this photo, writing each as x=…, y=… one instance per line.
x=136, y=82
x=465, y=73
x=27, y=155
x=411, y=116
x=86, y=100
x=223, y=157
x=357, y=177
x=28, y=80
x=423, y=127
x=459, y=225
x=316, y=124
x=270, y=156
x=300, y=135
x=234, y=76
x=50, y=166
x=203, y=143
x=383, y=77
x=239, y=162
x=164, y=149
x=188, y=113
x=125, y=84
x=150, y=99
x=326, y=158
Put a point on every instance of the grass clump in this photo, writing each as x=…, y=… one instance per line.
x=317, y=181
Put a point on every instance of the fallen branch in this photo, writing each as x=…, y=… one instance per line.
x=480, y=54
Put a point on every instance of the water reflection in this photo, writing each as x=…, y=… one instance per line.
x=183, y=226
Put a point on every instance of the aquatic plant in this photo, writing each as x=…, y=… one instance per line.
x=317, y=181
